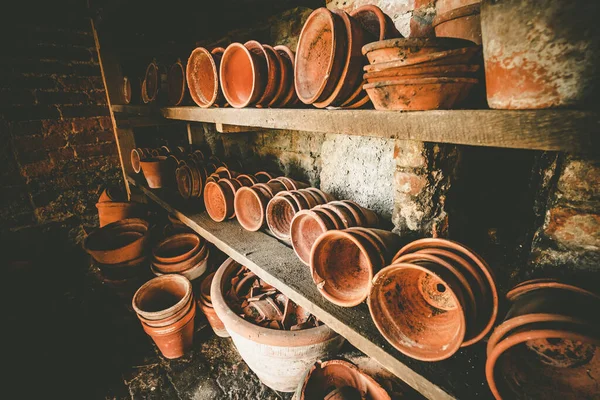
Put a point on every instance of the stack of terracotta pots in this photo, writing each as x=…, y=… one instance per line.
x=158, y=165
x=250, y=203
x=255, y=74
x=219, y=195
x=166, y=308
x=203, y=77
x=333, y=40
x=204, y=302
x=183, y=253
x=113, y=206
x=458, y=19
x=338, y=380
x=154, y=84
x=547, y=346
x=435, y=297
x=176, y=84
x=284, y=205
x=120, y=249
x=308, y=225
x=421, y=73
x=342, y=263
x=279, y=358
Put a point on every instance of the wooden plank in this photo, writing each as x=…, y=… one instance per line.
x=224, y=128
x=462, y=376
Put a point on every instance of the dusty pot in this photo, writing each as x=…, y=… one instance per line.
x=176, y=339
x=198, y=257
x=177, y=248
x=322, y=47
x=286, y=93
x=279, y=358
x=464, y=55
x=250, y=204
x=534, y=58
x=113, y=211
x=462, y=23
x=202, y=73
x=205, y=304
x=176, y=85
x=405, y=49
x=243, y=75
x=156, y=171
x=137, y=155
x=326, y=377
x=279, y=214
x=419, y=309
x=274, y=63
x=376, y=22
x=419, y=71
x=194, y=271
x=306, y=227
x=219, y=198
x=162, y=297
x=118, y=242
x=419, y=93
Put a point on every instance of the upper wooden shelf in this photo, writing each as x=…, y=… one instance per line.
x=554, y=130
x=462, y=376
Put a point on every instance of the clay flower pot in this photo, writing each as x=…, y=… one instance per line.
x=342, y=266
x=243, y=75
x=350, y=78
x=404, y=49
x=177, y=248
x=320, y=56
x=176, y=84
x=263, y=176
x=363, y=216
x=219, y=199
x=419, y=309
x=197, y=258
x=376, y=22
x=205, y=304
x=113, y=211
x=136, y=156
x=118, y=242
x=154, y=84
x=250, y=204
x=202, y=73
x=306, y=227
x=286, y=94
x=325, y=379
x=419, y=93
x=162, y=297
x=465, y=55
x=325, y=197
x=279, y=358
x=423, y=71
x=462, y=23
x=279, y=214
x=176, y=339
x=156, y=171
x=274, y=65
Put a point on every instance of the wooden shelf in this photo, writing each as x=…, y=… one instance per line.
x=462, y=376
x=553, y=130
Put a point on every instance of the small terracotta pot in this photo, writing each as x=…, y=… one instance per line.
x=325, y=197
x=343, y=214
x=246, y=179
x=419, y=94
x=325, y=377
x=174, y=340
x=219, y=199
x=136, y=156
x=156, y=171
x=118, y=242
x=176, y=84
x=279, y=214
x=162, y=297
x=197, y=258
x=306, y=227
x=274, y=66
x=202, y=73
x=404, y=49
x=273, y=186
x=243, y=75
x=113, y=211
x=250, y=204
x=291, y=184
x=159, y=323
x=342, y=266
x=333, y=217
x=376, y=22
x=286, y=92
x=177, y=248
x=154, y=85
x=205, y=304
x=263, y=176
x=465, y=55
x=388, y=242
x=419, y=309
x=320, y=55
x=363, y=216
x=462, y=23
x=442, y=71
x=193, y=272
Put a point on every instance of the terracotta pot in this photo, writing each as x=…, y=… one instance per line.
x=205, y=304
x=419, y=94
x=279, y=214
x=246, y=179
x=423, y=71
x=343, y=214
x=475, y=269
x=389, y=242
x=279, y=358
x=342, y=266
x=136, y=268
x=462, y=23
x=159, y=323
x=325, y=377
x=250, y=204
x=533, y=59
x=333, y=217
x=176, y=85
x=419, y=309
x=319, y=58
x=162, y=297
x=219, y=199
x=131, y=89
x=199, y=257
x=136, y=156
x=376, y=22
x=405, y=49
x=350, y=78
x=286, y=95
x=177, y=248
x=174, y=340
x=202, y=75
x=118, y=242
x=154, y=87
x=112, y=194
x=363, y=216
x=156, y=171
x=194, y=271
x=274, y=66
x=306, y=227
x=465, y=55
x=183, y=177
x=243, y=75
x=443, y=6
x=113, y=211
x=325, y=197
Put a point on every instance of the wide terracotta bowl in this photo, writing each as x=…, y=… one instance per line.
x=465, y=55
x=404, y=49
x=202, y=73
x=243, y=75
x=118, y=242
x=423, y=71
x=462, y=23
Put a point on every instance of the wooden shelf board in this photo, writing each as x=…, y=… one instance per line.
x=552, y=130
x=462, y=376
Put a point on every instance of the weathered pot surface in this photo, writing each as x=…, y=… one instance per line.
x=177, y=248
x=287, y=97
x=462, y=23
x=119, y=241
x=202, y=73
x=465, y=55
x=376, y=22
x=279, y=214
x=250, y=204
x=306, y=227
x=174, y=340
x=274, y=66
x=113, y=211
x=405, y=49
x=156, y=171
x=162, y=297
x=243, y=75
x=441, y=71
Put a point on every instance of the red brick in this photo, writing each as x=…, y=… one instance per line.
x=27, y=128
x=573, y=229
x=63, y=154
x=44, y=97
x=410, y=183
x=78, y=84
x=38, y=169
x=95, y=150
x=37, y=142
x=30, y=113
x=85, y=124
x=105, y=136
x=97, y=97
x=105, y=123
x=56, y=126
x=83, y=111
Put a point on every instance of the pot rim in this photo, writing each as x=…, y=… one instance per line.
x=154, y=315
x=194, y=259
x=192, y=273
x=418, y=81
x=294, y=227
x=373, y=9
x=255, y=333
x=427, y=58
x=219, y=188
x=189, y=237
x=264, y=100
x=173, y=328
x=233, y=47
x=528, y=286
x=108, y=227
x=467, y=68
x=450, y=43
x=188, y=73
x=456, y=13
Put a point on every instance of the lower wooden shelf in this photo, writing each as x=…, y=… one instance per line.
x=462, y=376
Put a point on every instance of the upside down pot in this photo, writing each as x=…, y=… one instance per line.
x=279, y=358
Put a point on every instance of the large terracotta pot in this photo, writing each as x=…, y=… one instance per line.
x=202, y=73
x=405, y=49
x=243, y=74
x=279, y=358
x=250, y=204
x=156, y=171
x=219, y=198
x=119, y=242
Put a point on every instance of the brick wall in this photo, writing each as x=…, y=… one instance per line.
x=57, y=148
